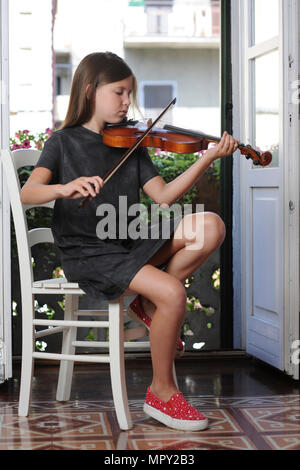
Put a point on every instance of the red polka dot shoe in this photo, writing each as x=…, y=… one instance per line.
x=136, y=313
x=176, y=413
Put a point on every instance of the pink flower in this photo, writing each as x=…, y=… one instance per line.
x=17, y=135
x=49, y=131
x=158, y=152
x=16, y=146
x=197, y=305
x=25, y=132
x=39, y=145
x=26, y=144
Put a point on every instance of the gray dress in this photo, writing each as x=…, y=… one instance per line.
x=103, y=267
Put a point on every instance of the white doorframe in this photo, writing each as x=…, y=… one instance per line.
x=290, y=193
x=237, y=46
x=5, y=255
x=292, y=189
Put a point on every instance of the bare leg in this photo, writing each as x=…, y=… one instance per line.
x=164, y=297
x=185, y=260
x=169, y=298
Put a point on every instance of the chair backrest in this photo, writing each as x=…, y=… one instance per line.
x=12, y=161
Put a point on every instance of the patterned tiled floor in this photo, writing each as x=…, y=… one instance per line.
x=247, y=423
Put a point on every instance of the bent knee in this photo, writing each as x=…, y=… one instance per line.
x=215, y=225
x=174, y=296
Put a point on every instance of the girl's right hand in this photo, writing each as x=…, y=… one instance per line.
x=82, y=187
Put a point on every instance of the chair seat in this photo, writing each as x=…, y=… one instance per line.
x=59, y=285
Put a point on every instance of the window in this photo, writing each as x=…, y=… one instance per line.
x=155, y=96
x=63, y=74
x=215, y=12
x=158, y=15
x=63, y=81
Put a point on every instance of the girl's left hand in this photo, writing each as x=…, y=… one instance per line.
x=227, y=146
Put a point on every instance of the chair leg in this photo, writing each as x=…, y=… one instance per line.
x=27, y=361
x=66, y=367
x=117, y=365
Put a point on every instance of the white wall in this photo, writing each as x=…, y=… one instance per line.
x=30, y=68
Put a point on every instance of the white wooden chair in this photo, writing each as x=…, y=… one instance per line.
x=118, y=339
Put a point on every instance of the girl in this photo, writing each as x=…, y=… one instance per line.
x=70, y=167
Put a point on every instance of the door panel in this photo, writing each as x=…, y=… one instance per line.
x=265, y=315
x=266, y=243
x=267, y=65
x=264, y=204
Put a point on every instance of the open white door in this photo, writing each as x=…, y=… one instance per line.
x=5, y=261
x=266, y=53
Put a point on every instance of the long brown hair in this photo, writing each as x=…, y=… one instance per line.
x=95, y=69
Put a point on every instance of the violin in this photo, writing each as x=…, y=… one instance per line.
x=170, y=138
x=175, y=139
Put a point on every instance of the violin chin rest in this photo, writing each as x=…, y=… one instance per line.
x=125, y=122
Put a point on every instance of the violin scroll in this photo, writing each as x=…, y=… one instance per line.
x=262, y=159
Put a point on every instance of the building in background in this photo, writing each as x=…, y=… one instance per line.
x=79, y=29
x=31, y=68
x=171, y=45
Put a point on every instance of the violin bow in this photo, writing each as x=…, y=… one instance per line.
x=127, y=154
